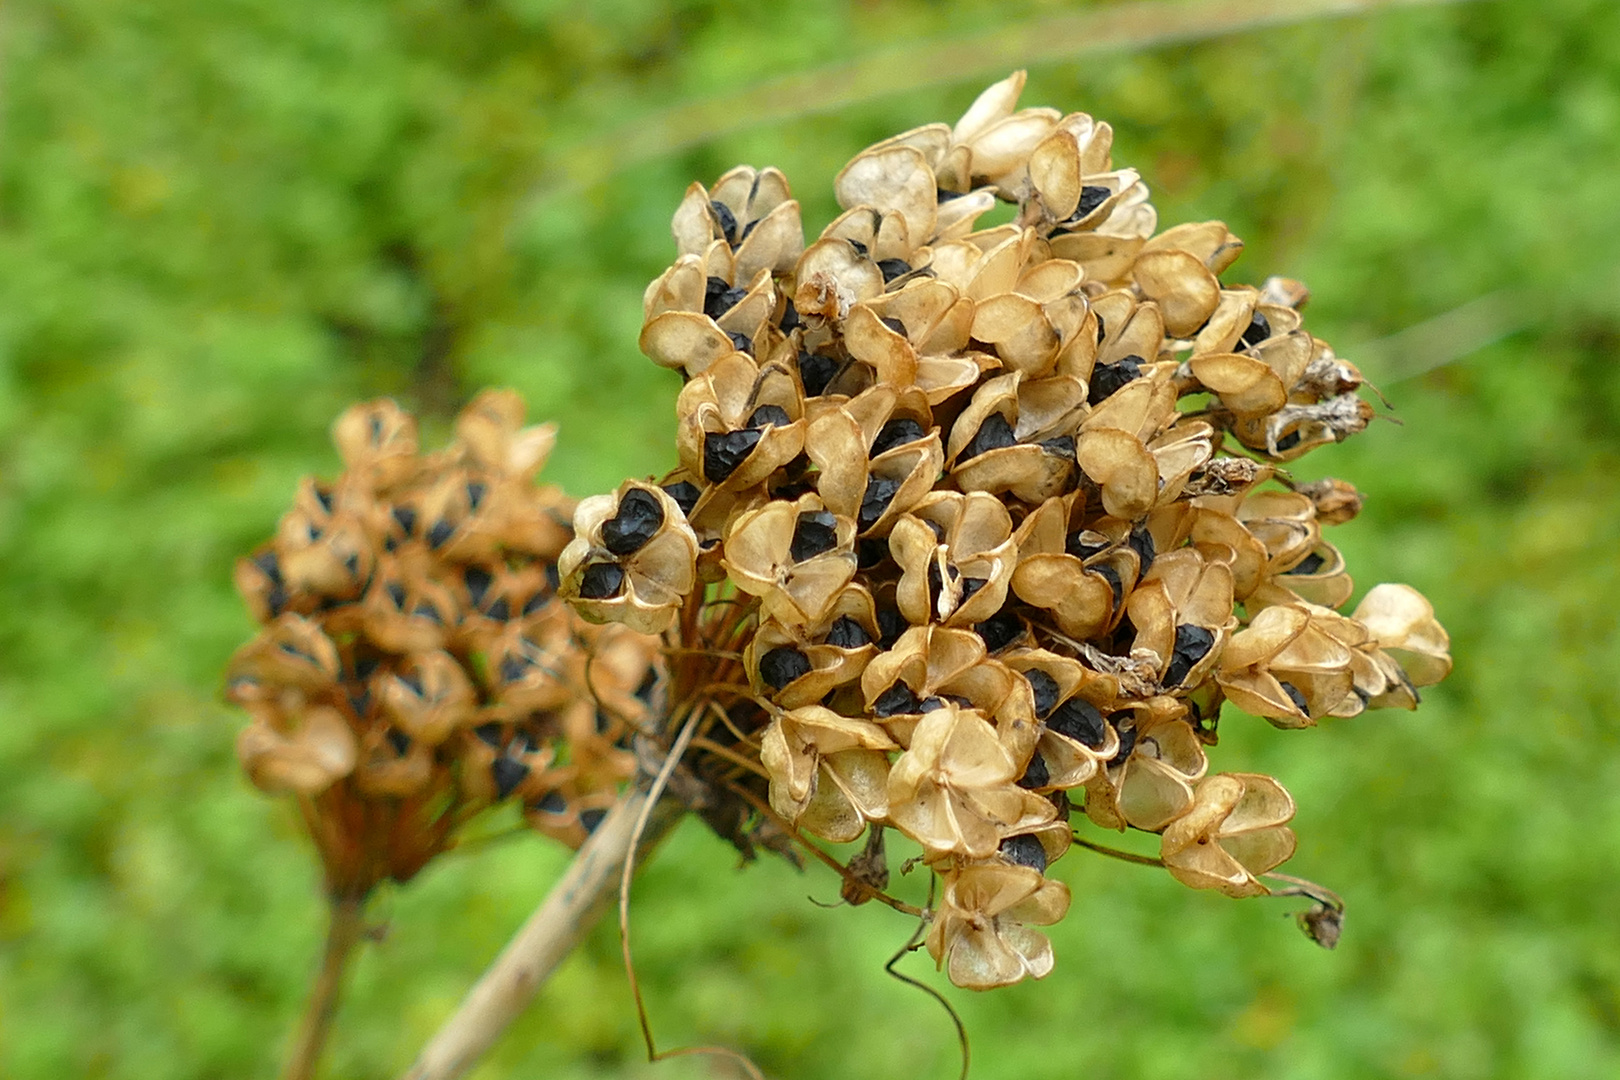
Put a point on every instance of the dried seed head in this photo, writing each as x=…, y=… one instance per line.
x=983, y=518
x=415, y=662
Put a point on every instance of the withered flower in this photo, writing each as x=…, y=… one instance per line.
x=1236, y=830
x=952, y=790
x=633, y=558
x=980, y=934
x=829, y=774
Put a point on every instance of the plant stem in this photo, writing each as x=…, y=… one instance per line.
x=344, y=929
x=559, y=924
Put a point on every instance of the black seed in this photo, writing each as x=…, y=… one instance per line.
x=412, y=680
x=895, y=700
x=1083, y=544
x=720, y=297
x=360, y=702
x=649, y=682
x=533, y=604
x=875, y=500
x=604, y=722
x=1046, y=691
x=489, y=733
x=513, y=667
x=1288, y=441
x=894, y=324
x=769, y=415
x=932, y=703
x=1108, y=378
x=553, y=576
x=1124, y=723
x=1062, y=446
x=891, y=624
x=1091, y=197
x=893, y=268
x=552, y=802
x=591, y=819
x=897, y=432
x=781, y=666
x=441, y=531
x=1110, y=575
x=685, y=495
x=1310, y=564
x=267, y=563
x=1102, y=329
x=846, y=633
x=396, y=593
x=400, y=741
x=640, y=517
x=1024, y=850
x=406, y=518
x=276, y=600
x=870, y=552
x=1080, y=721
x=475, y=494
x=601, y=580
x=1037, y=775
x=426, y=609
x=1141, y=542
x=477, y=580
x=972, y=585
x=724, y=451
x=324, y=497
x=993, y=434
x=815, y=372
x=727, y=221
x=365, y=667
x=790, y=318
x=943, y=196
x=1258, y=330
x=1295, y=696
x=500, y=610
x=740, y=342
x=508, y=774
x=1192, y=644
x=815, y=533
x=1000, y=630
x=860, y=248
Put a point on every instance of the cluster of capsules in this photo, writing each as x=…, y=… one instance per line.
x=976, y=528
x=415, y=665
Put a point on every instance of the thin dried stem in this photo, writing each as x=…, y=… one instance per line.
x=676, y=752
x=558, y=925
x=911, y=945
x=345, y=928
x=1116, y=853
x=1028, y=43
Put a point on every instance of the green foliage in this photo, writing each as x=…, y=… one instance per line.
x=220, y=222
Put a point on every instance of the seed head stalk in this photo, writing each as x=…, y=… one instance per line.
x=345, y=928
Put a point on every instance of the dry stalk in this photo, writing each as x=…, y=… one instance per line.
x=344, y=930
x=559, y=924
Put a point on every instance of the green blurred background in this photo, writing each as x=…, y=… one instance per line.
x=222, y=220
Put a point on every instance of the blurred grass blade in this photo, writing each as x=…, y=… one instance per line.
x=1450, y=336
x=963, y=59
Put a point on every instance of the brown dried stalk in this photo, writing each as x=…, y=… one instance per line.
x=344, y=931
x=558, y=925
x=1028, y=43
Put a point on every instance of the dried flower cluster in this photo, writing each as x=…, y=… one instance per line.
x=415, y=665
x=976, y=528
